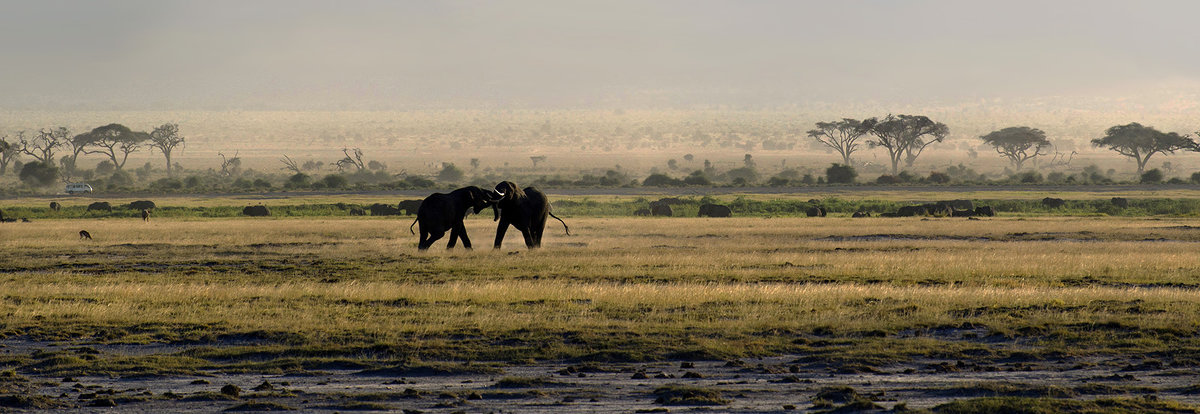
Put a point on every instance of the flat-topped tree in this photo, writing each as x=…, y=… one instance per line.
x=1141, y=142
x=165, y=138
x=113, y=138
x=1018, y=144
x=842, y=136
x=904, y=136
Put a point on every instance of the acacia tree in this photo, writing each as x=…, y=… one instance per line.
x=43, y=146
x=111, y=138
x=1015, y=143
x=904, y=136
x=165, y=138
x=1141, y=142
x=842, y=136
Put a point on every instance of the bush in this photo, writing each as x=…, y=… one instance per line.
x=38, y=174
x=660, y=180
x=120, y=178
x=939, y=178
x=450, y=173
x=840, y=174
x=1153, y=176
x=887, y=179
x=334, y=181
x=697, y=178
x=743, y=176
x=298, y=180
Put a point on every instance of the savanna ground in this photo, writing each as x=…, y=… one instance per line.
x=1023, y=311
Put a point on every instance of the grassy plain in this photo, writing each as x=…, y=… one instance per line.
x=303, y=294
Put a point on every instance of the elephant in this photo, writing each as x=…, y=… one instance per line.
x=714, y=210
x=1120, y=202
x=256, y=211
x=939, y=209
x=860, y=214
x=966, y=205
x=409, y=207
x=642, y=212
x=55, y=206
x=380, y=209
x=910, y=211
x=661, y=209
x=1053, y=202
x=100, y=206
x=815, y=212
x=986, y=211
x=524, y=209
x=441, y=212
x=142, y=205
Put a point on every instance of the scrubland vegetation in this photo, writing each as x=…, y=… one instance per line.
x=281, y=151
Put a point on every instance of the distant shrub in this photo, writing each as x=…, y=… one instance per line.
x=840, y=174
x=938, y=178
x=1153, y=176
x=660, y=180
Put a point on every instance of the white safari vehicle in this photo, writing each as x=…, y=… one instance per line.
x=78, y=188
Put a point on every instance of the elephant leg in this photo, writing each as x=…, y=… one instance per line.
x=424, y=243
x=503, y=227
x=462, y=234
x=453, y=237
x=433, y=236
x=537, y=230
x=528, y=235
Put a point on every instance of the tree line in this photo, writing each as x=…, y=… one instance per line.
x=115, y=141
x=906, y=136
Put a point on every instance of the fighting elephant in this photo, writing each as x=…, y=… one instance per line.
x=441, y=212
x=524, y=209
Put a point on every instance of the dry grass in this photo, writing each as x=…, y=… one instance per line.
x=722, y=286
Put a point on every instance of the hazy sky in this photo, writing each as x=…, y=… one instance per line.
x=294, y=54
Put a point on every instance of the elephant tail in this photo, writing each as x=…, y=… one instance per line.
x=568, y=229
x=410, y=226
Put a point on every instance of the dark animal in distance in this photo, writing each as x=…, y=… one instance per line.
x=986, y=211
x=441, y=212
x=1053, y=202
x=939, y=209
x=83, y=234
x=256, y=211
x=409, y=207
x=378, y=209
x=912, y=211
x=526, y=209
x=142, y=205
x=145, y=215
x=1120, y=202
x=55, y=206
x=661, y=209
x=714, y=210
x=641, y=212
x=861, y=214
x=671, y=201
x=356, y=211
x=815, y=212
x=100, y=206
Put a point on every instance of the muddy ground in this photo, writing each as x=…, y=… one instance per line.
x=747, y=385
